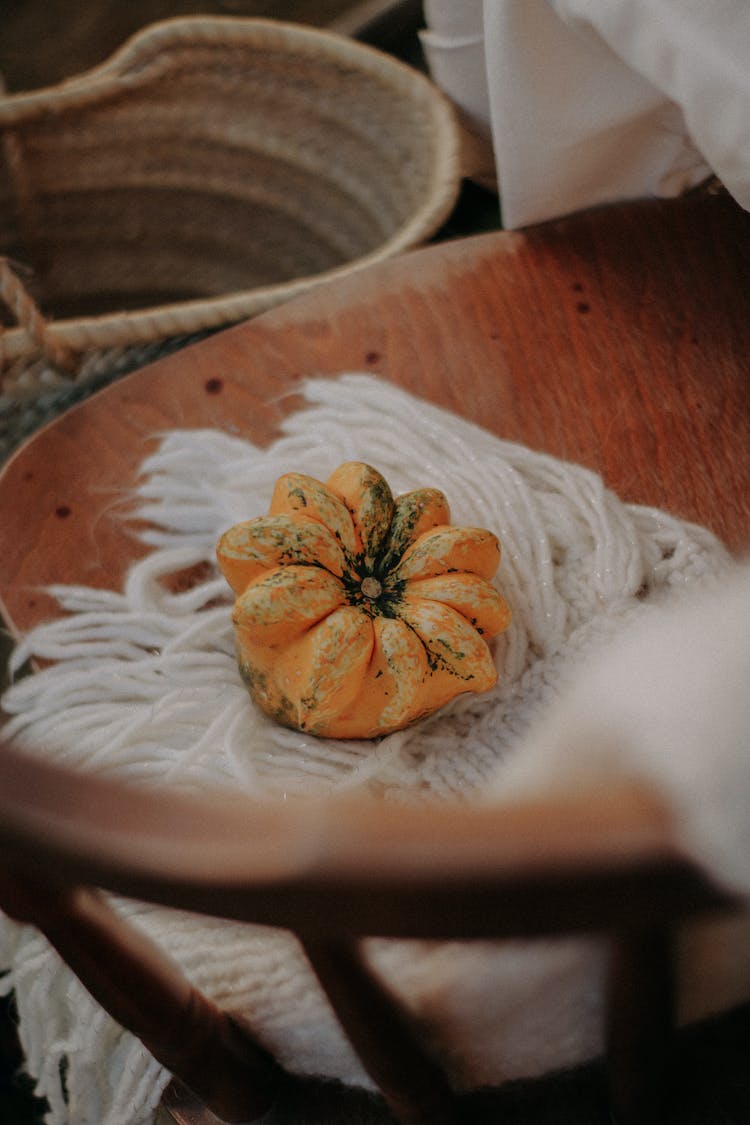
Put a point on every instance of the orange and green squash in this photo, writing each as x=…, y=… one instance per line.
x=357, y=613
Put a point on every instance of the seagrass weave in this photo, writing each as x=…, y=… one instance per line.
x=209, y=169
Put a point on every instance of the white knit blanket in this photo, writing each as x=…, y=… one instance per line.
x=144, y=685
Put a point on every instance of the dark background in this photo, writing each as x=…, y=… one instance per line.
x=44, y=41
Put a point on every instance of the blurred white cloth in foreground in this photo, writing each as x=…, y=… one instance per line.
x=667, y=703
x=592, y=101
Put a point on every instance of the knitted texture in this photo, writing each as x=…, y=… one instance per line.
x=144, y=686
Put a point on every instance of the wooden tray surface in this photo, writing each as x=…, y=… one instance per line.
x=619, y=339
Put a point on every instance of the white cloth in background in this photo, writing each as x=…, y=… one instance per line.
x=454, y=47
x=592, y=101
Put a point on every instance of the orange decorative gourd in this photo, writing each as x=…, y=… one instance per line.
x=357, y=613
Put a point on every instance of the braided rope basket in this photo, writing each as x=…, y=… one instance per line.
x=210, y=169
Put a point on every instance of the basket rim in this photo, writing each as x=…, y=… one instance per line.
x=127, y=64
x=127, y=68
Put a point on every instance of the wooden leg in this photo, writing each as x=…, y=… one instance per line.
x=148, y=995
x=640, y=1026
x=416, y=1090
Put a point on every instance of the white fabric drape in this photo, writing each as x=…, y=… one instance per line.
x=593, y=101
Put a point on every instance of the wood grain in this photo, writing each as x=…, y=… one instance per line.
x=619, y=339
x=353, y=866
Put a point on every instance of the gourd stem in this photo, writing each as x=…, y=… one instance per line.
x=371, y=588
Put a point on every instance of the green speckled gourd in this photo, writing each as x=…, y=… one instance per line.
x=357, y=613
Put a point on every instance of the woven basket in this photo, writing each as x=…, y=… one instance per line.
x=208, y=170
